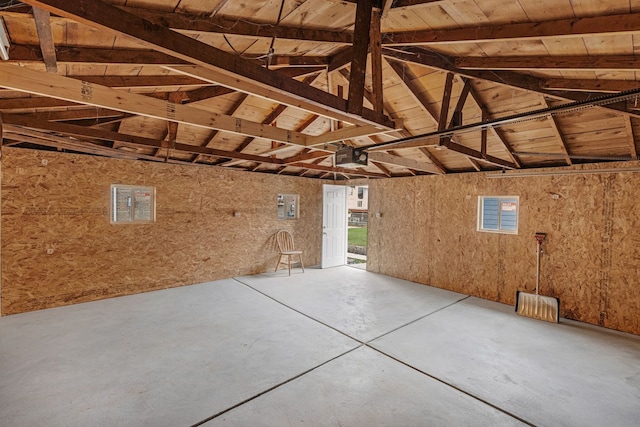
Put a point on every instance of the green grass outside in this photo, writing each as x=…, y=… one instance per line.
x=358, y=236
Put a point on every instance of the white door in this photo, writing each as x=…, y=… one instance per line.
x=334, y=225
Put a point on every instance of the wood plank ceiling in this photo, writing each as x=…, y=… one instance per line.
x=276, y=86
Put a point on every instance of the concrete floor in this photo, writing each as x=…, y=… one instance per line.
x=328, y=347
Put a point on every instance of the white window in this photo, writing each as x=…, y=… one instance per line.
x=132, y=204
x=498, y=214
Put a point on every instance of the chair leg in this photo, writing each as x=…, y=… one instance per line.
x=289, y=256
x=278, y=263
x=301, y=263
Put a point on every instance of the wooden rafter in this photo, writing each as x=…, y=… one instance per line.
x=243, y=27
x=340, y=59
x=100, y=134
x=520, y=81
x=386, y=158
x=73, y=90
x=100, y=56
x=589, y=85
x=18, y=124
x=70, y=115
x=475, y=164
x=561, y=28
x=555, y=126
x=418, y=95
x=386, y=172
x=436, y=163
x=230, y=112
x=230, y=70
x=633, y=149
x=555, y=63
x=499, y=134
x=161, y=82
x=342, y=134
x=477, y=155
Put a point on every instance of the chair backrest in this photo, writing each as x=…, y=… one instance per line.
x=285, y=241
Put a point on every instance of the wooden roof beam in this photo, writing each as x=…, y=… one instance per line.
x=344, y=133
x=555, y=126
x=92, y=133
x=22, y=79
x=486, y=115
x=438, y=165
x=350, y=172
x=604, y=25
x=221, y=67
x=161, y=82
x=230, y=112
x=475, y=164
x=507, y=78
x=474, y=154
x=408, y=79
x=98, y=56
x=386, y=172
x=386, y=158
x=555, y=63
x=70, y=115
x=340, y=60
x=589, y=85
x=242, y=27
x=631, y=137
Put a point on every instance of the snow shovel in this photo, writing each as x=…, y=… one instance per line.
x=534, y=305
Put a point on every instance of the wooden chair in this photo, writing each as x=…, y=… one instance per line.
x=287, y=249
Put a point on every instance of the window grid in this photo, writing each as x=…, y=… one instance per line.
x=498, y=214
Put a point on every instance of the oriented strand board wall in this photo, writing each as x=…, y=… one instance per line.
x=427, y=233
x=61, y=202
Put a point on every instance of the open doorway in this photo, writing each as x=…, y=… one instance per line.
x=358, y=221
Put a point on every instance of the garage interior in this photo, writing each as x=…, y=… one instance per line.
x=221, y=106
